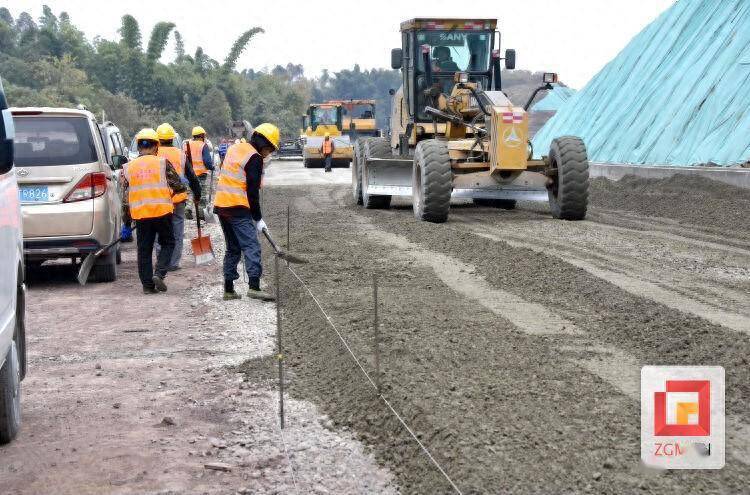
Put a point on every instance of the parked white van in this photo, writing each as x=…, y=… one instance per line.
x=12, y=288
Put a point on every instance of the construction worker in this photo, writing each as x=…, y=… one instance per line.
x=176, y=158
x=148, y=183
x=326, y=149
x=237, y=204
x=201, y=157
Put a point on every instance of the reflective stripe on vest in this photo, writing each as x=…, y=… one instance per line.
x=196, y=153
x=176, y=158
x=327, y=147
x=232, y=187
x=149, y=194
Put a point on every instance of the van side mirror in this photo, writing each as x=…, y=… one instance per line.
x=510, y=59
x=396, y=58
x=118, y=161
x=6, y=140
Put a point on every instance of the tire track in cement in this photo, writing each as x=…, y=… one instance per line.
x=626, y=279
x=529, y=317
x=616, y=366
x=667, y=229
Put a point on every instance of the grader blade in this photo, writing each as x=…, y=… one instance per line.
x=389, y=176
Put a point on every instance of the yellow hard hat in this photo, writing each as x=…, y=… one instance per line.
x=328, y=134
x=165, y=132
x=270, y=132
x=197, y=131
x=147, y=134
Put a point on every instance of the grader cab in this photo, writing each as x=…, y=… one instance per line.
x=455, y=134
x=322, y=119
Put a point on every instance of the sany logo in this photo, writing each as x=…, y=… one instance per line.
x=452, y=36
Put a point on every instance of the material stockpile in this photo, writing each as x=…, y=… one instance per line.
x=678, y=94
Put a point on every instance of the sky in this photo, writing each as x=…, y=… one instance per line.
x=574, y=38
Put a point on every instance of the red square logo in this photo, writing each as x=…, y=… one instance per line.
x=684, y=410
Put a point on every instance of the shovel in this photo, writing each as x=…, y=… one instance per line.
x=291, y=258
x=88, y=263
x=203, y=250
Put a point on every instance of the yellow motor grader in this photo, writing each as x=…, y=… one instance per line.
x=455, y=134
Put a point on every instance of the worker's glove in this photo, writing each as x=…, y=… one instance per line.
x=260, y=225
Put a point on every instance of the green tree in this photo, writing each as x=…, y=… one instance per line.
x=238, y=47
x=158, y=40
x=214, y=113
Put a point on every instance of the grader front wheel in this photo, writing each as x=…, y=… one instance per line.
x=569, y=174
x=432, y=181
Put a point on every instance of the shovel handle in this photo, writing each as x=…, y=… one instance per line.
x=270, y=241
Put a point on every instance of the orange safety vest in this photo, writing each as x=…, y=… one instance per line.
x=196, y=153
x=231, y=189
x=149, y=194
x=176, y=158
x=327, y=147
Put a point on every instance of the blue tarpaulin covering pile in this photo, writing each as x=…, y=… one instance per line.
x=553, y=100
x=677, y=94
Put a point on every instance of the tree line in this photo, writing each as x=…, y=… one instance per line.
x=49, y=62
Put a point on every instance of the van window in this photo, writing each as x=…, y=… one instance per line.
x=53, y=141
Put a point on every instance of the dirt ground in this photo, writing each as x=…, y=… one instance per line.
x=135, y=394
x=510, y=343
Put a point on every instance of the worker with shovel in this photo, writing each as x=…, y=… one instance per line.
x=184, y=169
x=201, y=158
x=148, y=183
x=237, y=205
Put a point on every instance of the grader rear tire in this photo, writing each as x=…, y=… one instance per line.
x=432, y=181
x=374, y=147
x=569, y=191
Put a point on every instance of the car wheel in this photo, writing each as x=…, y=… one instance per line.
x=10, y=395
x=105, y=270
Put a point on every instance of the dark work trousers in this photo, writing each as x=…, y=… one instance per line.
x=329, y=159
x=241, y=239
x=147, y=231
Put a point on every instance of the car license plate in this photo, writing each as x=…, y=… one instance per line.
x=36, y=194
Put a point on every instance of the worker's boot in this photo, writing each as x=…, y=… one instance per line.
x=188, y=213
x=255, y=292
x=159, y=283
x=229, y=293
x=150, y=290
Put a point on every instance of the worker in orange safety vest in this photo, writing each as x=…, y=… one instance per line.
x=184, y=169
x=201, y=157
x=148, y=184
x=237, y=204
x=327, y=149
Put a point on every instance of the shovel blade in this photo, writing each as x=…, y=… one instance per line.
x=85, y=270
x=291, y=258
x=203, y=250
